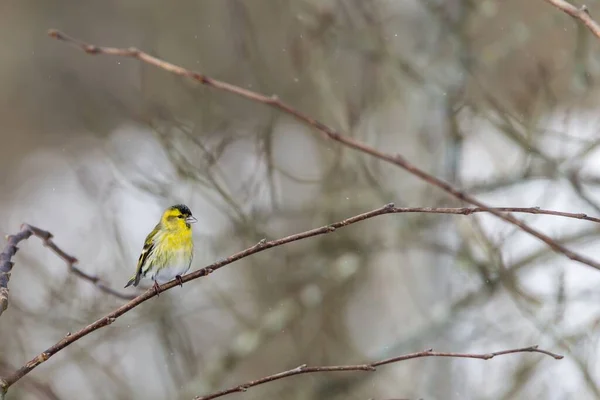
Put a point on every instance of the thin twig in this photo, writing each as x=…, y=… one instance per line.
x=327, y=132
x=70, y=338
x=474, y=210
x=303, y=369
x=582, y=13
x=11, y=249
x=46, y=238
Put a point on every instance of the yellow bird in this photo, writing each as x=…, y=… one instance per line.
x=168, y=250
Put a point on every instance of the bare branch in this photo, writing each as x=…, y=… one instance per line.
x=303, y=369
x=71, y=262
x=327, y=133
x=44, y=390
x=582, y=14
x=6, y=264
x=70, y=338
x=474, y=210
x=11, y=248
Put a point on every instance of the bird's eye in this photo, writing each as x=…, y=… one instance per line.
x=181, y=216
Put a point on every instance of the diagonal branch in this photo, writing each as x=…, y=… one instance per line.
x=582, y=13
x=303, y=369
x=70, y=338
x=11, y=249
x=327, y=132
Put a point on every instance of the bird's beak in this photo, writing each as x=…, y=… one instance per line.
x=191, y=219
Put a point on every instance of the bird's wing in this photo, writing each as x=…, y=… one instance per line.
x=146, y=251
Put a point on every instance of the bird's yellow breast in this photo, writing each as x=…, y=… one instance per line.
x=180, y=240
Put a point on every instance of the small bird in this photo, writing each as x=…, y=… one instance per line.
x=168, y=250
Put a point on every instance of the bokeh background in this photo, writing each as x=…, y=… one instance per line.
x=498, y=97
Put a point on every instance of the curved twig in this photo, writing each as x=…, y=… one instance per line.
x=25, y=233
x=46, y=238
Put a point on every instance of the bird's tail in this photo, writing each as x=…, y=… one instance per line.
x=133, y=281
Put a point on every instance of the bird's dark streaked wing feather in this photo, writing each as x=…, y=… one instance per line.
x=146, y=251
x=148, y=247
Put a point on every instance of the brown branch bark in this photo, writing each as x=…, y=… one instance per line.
x=582, y=14
x=70, y=338
x=6, y=264
x=11, y=249
x=326, y=131
x=303, y=369
x=46, y=238
x=477, y=210
x=43, y=390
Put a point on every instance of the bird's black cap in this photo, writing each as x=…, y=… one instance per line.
x=182, y=209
